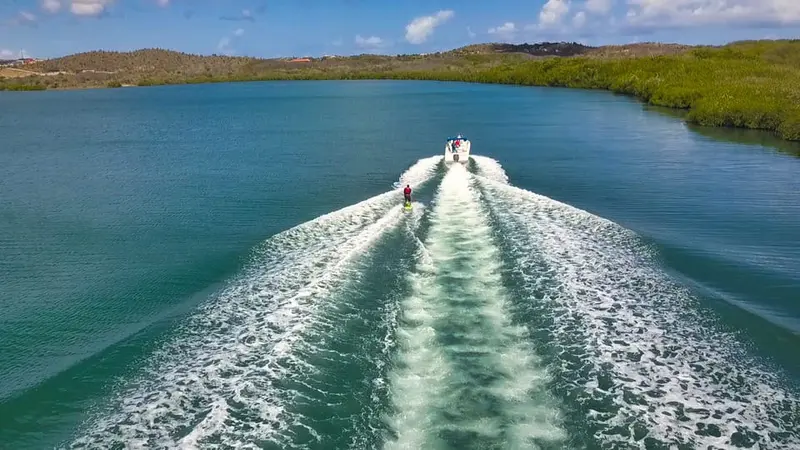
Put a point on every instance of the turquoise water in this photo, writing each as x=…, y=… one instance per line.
x=220, y=265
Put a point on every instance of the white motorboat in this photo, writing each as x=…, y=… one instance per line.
x=456, y=149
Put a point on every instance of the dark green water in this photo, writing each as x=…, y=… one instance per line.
x=227, y=265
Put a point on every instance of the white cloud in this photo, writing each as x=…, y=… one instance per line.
x=553, y=12
x=579, y=20
x=419, y=29
x=6, y=54
x=505, y=31
x=25, y=16
x=656, y=13
x=372, y=41
x=22, y=18
x=471, y=33
x=555, y=23
x=51, y=6
x=163, y=3
x=89, y=7
x=245, y=15
x=224, y=43
x=563, y=19
x=599, y=6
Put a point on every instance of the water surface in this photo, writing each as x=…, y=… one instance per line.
x=637, y=278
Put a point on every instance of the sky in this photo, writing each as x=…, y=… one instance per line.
x=276, y=28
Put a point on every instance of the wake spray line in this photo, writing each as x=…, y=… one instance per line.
x=371, y=433
x=459, y=352
x=218, y=380
x=630, y=341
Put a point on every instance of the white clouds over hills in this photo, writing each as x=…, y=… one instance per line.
x=372, y=42
x=616, y=16
x=531, y=21
x=657, y=13
x=556, y=14
x=419, y=29
x=504, y=31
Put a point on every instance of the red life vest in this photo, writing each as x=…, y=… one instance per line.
x=407, y=190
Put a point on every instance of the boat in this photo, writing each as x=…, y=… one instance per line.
x=456, y=149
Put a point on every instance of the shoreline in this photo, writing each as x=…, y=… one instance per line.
x=746, y=85
x=679, y=113
x=682, y=113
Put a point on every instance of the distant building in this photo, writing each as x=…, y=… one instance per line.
x=17, y=62
x=300, y=60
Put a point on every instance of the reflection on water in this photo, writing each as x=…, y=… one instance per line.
x=733, y=135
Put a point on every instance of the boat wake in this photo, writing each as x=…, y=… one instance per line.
x=464, y=372
x=493, y=317
x=229, y=377
x=628, y=345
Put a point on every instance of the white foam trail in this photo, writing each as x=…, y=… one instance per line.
x=366, y=437
x=633, y=349
x=490, y=168
x=417, y=388
x=213, y=421
x=432, y=379
x=422, y=171
x=220, y=378
x=420, y=382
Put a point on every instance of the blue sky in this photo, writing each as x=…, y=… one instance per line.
x=269, y=28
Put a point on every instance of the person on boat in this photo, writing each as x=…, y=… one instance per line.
x=407, y=194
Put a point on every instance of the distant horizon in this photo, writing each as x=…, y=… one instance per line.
x=49, y=29
x=27, y=55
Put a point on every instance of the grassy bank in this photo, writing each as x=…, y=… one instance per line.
x=752, y=84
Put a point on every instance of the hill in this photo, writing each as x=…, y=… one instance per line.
x=555, y=49
x=750, y=84
x=145, y=61
x=90, y=69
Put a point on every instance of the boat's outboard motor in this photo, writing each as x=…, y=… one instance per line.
x=455, y=157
